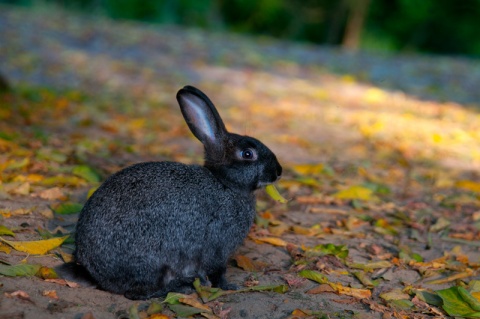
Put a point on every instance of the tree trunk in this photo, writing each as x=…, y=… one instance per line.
x=355, y=23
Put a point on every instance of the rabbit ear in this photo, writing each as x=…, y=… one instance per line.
x=201, y=116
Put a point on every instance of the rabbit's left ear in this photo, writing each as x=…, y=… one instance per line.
x=201, y=116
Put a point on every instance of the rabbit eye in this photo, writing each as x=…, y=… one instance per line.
x=248, y=154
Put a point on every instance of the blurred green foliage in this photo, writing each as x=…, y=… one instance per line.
x=437, y=26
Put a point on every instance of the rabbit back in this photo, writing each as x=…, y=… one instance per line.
x=156, y=226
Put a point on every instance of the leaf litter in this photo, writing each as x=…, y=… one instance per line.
x=384, y=206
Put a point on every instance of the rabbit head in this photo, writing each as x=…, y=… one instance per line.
x=239, y=161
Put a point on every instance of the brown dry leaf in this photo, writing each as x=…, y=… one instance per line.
x=303, y=230
x=158, y=316
x=271, y=240
x=88, y=315
x=50, y=294
x=248, y=264
x=22, y=189
x=196, y=304
x=63, y=282
x=323, y=210
x=294, y=281
x=277, y=228
x=51, y=194
x=321, y=289
x=18, y=294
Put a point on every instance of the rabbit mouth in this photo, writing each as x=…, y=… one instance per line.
x=263, y=184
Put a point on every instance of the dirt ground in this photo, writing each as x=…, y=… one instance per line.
x=380, y=154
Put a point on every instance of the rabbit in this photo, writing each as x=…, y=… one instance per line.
x=154, y=227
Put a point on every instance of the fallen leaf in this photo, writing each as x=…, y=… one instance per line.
x=19, y=270
x=50, y=194
x=5, y=231
x=47, y=273
x=184, y=311
x=321, y=289
x=313, y=275
x=36, y=247
x=274, y=194
x=271, y=240
x=464, y=274
x=355, y=192
x=18, y=294
x=88, y=315
x=468, y=185
x=87, y=173
x=248, y=264
x=371, y=265
x=63, y=282
x=395, y=294
x=308, y=169
x=354, y=292
x=67, y=208
x=458, y=302
x=195, y=303
x=50, y=294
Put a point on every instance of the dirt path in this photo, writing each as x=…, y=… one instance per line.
x=391, y=176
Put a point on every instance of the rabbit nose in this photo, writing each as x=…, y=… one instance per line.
x=279, y=170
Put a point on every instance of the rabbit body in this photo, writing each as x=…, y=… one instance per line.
x=148, y=226
x=154, y=227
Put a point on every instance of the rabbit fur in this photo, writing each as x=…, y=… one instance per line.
x=154, y=227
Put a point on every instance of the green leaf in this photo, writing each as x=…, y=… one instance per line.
x=154, y=307
x=86, y=173
x=341, y=251
x=67, y=208
x=403, y=304
x=5, y=231
x=172, y=298
x=371, y=265
x=455, y=304
x=314, y=275
x=19, y=270
x=273, y=193
x=184, y=311
x=276, y=288
x=133, y=312
x=430, y=298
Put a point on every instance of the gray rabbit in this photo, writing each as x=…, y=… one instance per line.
x=154, y=227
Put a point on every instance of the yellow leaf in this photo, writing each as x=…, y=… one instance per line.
x=375, y=95
x=354, y=292
x=308, y=169
x=355, y=192
x=468, y=185
x=476, y=294
x=273, y=192
x=465, y=274
x=272, y=241
x=36, y=247
x=5, y=248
